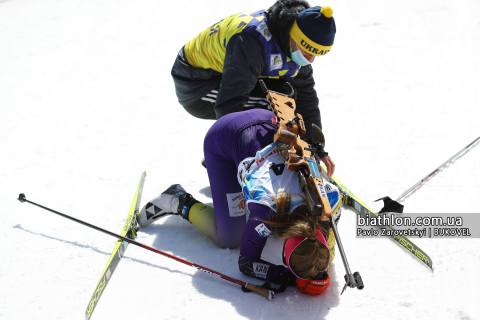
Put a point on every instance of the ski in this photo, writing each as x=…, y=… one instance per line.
x=351, y=200
x=130, y=229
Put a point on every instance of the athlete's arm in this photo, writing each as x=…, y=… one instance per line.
x=244, y=61
x=253, y=241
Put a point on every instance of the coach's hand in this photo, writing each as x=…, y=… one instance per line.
x=329, y=164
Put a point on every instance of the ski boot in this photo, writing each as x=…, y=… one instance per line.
x=173, y=201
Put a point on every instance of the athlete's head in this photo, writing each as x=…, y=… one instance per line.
x=306, y=251
x=306, y=256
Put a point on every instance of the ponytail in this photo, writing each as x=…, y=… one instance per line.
x=311, y=256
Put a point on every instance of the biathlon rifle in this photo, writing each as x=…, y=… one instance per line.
x=305, y=158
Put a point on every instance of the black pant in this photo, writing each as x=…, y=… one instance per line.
x=202, y=109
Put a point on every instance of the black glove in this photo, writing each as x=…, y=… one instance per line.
x=288, y=277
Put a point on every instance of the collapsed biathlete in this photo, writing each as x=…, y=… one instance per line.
x=247, y=170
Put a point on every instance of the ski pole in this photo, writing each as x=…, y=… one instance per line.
x=261, y=291
x=457, y=155
x=394, y=205
x=351, y=280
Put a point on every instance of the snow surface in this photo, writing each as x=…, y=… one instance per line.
x=87, y=104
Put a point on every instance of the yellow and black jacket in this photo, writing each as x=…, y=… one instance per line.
x=230, y=56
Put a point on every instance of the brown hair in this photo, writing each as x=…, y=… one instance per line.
x=310, y=257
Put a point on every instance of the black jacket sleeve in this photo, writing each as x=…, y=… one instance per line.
x=244, y=61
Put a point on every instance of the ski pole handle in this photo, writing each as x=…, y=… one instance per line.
x=270, y=295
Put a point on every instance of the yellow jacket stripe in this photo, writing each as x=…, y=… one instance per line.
x=207, y=50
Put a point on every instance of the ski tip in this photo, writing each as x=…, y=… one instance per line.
x=21, y=197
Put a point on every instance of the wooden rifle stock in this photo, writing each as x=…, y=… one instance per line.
x=291, y=128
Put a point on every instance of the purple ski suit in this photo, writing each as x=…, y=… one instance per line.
x=230, y=140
